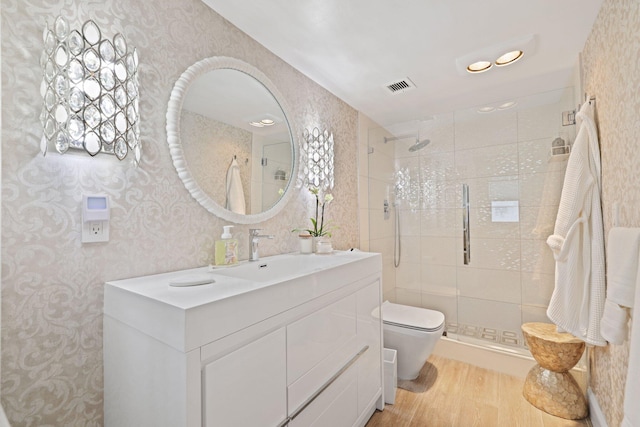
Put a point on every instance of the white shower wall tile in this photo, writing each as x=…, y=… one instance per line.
x=475, y=129
x=379, y=227
x=440, y=194
x=408, y=276
x=438, y=250
x=541, y=189
x=409, y=222
x=540, y=116
x=437, y=166
x=378, y=193
x=483, y=191
x=388, y=275
x=498, y=285
x=532, y=313
x=440, y=222
x=381, y=166
x=389, y=295
x=482, y=225
x=494, y=160
x=440, y=131
x=363, y=159
x=439, y=279
x=364, y=228
x=489, y=314
x=537, y=288
x=375, y=140
x=537, y=222
x=447, y=305
x=408, y=297
x=496, y=254
x=407, y=185
x=383, y=246
x=363, y=192
x=535, y=157
x=410, y=247
x=537, y=257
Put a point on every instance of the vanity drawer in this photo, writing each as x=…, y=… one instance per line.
x=336, y=406
x=318, y=346
x=312, y=339
x=247, y=387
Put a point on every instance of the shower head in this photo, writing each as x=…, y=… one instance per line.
x=419, y=145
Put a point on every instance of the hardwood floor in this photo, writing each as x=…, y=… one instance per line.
x=455, y=394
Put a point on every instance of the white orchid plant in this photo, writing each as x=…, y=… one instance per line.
x=318, y=229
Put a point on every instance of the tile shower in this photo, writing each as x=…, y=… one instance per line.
x=503, y=153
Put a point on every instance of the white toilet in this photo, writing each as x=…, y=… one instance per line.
x=413, y=333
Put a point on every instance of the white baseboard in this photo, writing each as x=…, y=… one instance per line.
x=595, y=413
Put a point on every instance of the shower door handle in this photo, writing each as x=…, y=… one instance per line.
x=466, y=236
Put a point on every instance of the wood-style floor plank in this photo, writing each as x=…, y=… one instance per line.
x=515, y=410
x=448, y=393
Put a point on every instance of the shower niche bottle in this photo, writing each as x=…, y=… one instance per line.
x=226, y=249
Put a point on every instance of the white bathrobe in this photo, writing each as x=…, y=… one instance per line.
x=577, y=242
x=235, y=193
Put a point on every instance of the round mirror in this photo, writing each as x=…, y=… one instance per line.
x=231, y=141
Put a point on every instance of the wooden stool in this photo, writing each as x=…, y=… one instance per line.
x=549, y=386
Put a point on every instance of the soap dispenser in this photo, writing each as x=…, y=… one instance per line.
x=226, y=250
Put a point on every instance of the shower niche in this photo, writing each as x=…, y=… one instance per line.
x=484, y=263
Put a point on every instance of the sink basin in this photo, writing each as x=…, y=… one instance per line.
x=278, y=267
x=238, y=297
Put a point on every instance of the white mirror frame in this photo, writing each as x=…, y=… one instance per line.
x=175, y=145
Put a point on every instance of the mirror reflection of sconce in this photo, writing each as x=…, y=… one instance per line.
x=90, y=92
x=280, y=175
x=316, y=159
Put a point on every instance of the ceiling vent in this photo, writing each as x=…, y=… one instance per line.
x=400, y=86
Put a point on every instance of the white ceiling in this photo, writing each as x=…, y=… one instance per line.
x=354, y=48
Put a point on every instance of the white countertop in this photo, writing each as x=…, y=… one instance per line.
x=228, y=304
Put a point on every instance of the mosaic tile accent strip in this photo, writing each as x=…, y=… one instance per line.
x=509, y=338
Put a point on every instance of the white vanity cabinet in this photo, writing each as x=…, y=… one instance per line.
x=254, y=373
x=299, y=349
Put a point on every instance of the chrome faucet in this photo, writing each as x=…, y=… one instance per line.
x=253, y=242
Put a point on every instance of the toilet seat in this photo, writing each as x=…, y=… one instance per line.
x=416, y=318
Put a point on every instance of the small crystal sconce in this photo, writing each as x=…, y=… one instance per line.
x=90, y=92
x=316, y=159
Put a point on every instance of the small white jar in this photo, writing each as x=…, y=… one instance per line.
x=306, y=243
x=324, y=247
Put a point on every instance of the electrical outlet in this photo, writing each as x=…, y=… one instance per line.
x=96, y=228
x=95, y=231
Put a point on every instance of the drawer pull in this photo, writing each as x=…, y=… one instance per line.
x=328, y=383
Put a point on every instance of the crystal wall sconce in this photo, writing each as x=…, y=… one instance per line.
x=316, y=159
x=90, y=92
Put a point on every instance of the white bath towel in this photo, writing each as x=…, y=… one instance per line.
x=632, y=388
x=623, y=255
x=577, y=242
x=235, y=193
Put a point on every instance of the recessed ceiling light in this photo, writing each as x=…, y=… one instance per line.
x=267, y=122
x=256, y=124
x=506, y=105
x=509, y=58
x=479, y=66
x=486, y=109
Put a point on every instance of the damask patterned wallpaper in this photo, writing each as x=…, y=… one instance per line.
x=612, y=74
x=197, y=134
x=52, y=285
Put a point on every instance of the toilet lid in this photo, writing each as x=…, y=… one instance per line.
x=411, y=317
